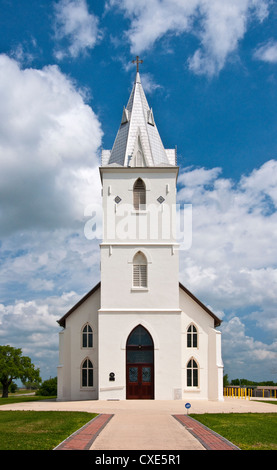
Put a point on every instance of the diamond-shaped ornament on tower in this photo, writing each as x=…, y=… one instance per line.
x=117, y=199
x=161, y=199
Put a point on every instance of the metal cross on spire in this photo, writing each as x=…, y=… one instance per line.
x=137, y=61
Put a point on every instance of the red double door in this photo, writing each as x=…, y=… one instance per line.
x=140, y=365
x=140, y=383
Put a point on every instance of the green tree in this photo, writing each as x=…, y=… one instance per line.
x=31, y=385
x=48, y=387
x=15, y=366
x=225, y=380
x=13, y=387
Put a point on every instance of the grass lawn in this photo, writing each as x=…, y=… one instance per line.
x=248, y=431
x=19, y=399
x=38, y=430
x=44, y=430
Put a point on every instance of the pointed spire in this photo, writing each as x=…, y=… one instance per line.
x=138, y=142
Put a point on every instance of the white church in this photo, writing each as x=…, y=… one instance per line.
x=139, y=333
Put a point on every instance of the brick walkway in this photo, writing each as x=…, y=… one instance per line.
x=208, y=438
x=84, y=437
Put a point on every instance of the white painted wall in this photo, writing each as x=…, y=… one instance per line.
x=157, y=223
x=169, y=333
x=127, y=231
x=72, y=353
x=117, y=291
x=114, y=329
x=207, y=354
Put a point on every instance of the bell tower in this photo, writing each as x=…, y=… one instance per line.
x=139, y=252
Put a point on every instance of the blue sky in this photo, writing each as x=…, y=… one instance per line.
x=210, y=74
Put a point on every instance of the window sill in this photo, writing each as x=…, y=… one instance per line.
x=139, y=289
x=139, y=211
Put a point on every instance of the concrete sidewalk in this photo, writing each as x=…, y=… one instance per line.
x=145, y=431
x=146, y=424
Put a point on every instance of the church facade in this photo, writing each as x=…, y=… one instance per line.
x=139, y=333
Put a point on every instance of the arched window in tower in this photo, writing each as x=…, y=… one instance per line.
x=192, y=337
x=87, y=373
x=139, y=270
x=87, y=336
x=192, y=373
x=139, y=192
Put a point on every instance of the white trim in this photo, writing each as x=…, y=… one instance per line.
x=146, y=253
x=107, y=389
x=138, y=289
x=134, y=310
x=139, y=211
x=140, y=244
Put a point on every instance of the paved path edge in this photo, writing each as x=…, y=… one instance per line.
x=83, y=438
x=206, y=436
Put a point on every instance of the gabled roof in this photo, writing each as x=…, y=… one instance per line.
x=138, y=135
x=62, y=321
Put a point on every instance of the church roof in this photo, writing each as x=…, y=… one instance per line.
x=62, y=321
x=138, y=142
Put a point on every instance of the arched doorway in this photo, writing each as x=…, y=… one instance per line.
x=140, y=365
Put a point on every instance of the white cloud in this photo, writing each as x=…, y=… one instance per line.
x=148, y=83
x=22, y=54
x=246, y=357
x=43, y=274
x=219, y=26
x=33, y=325
x=49, y=140
x=267, y=52
x=232, y=263
x=223, y=25
x=197, y=177
x=39, y=263
x=233, y=236
x=75, y=26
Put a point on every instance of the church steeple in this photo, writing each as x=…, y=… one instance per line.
x=138, y=142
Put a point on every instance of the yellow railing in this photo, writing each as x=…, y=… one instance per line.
x=246, y=393
x=236, y=392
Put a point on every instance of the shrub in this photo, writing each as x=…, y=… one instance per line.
x=48, y=388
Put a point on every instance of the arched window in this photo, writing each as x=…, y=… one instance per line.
x=87, y=336
x=139, y=270
x=87, y=373
x=139, y=192
x=192, y=373
x=192, y=337
x=140, y=346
